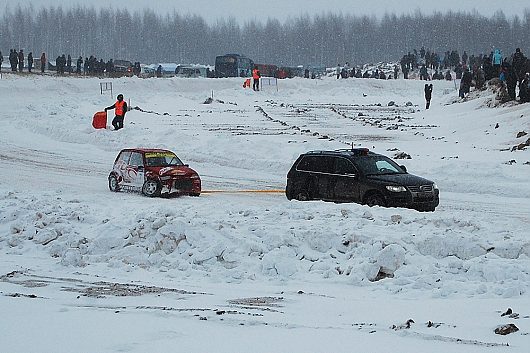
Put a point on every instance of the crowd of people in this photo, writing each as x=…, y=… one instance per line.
x=512, y=70
x=472, y=71
x=64, y=64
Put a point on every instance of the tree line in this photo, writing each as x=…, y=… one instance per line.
x=319, y=40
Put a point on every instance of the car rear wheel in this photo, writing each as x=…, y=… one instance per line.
x=113, y=183
x=375, y=199
x=151, y=188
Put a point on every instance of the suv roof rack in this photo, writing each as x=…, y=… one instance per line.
x=360, y=151
x=350, y=151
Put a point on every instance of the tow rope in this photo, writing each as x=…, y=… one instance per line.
x=268, y=191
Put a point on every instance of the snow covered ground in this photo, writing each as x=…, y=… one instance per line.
x=86, y=270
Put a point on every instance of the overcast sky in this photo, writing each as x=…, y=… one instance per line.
x=243, y=10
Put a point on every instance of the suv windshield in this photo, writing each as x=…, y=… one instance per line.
x=377, y=165
x=162, y=159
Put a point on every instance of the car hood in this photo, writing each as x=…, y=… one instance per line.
x=175, y=171
x=400, y=179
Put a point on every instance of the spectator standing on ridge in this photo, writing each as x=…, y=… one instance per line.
x=13, y=59
x=337, y=71
x=30, y=61
x=424, y=75
x=42, y=62
x=519, y=63
x=428, y=95
x=1, y=60
x=256, y=76
x=20, y=60
x=511, y=80
x=524, y=89
x=78, y=65
x=69, y=64
x=465, y=83
x=120, y=108
x=497, y=61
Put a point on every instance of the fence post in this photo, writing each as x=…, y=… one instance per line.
x=105, y=86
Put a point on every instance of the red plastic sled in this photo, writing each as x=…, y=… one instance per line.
x=99, y=121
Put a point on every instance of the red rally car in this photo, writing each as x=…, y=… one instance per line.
x=153, y=172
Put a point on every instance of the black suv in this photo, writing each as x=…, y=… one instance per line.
x=361, y=176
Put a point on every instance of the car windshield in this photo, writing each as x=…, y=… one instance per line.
x=162, y=159
x=378, y=165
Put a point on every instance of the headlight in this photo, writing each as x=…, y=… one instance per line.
x=394, y=188
x=434, y=186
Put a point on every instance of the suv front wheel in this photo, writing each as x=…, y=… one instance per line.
x=375, y=199
x=151, y=188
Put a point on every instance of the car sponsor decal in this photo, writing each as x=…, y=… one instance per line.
x=159, y=154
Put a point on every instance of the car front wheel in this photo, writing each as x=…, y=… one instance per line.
x=113, y=183
x=151, y=188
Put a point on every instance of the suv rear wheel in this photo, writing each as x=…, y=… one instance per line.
x=302, y=195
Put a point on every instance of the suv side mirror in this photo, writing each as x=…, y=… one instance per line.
x=404, y=168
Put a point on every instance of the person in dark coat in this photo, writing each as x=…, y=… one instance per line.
x=120, y=108
x=519, y=63
x=13, y=59
x=20, y=60
x=428, y=95
x=69, y=64
x=42, y=62
x=465, y=83
x=30, y=61
x=524, y=89
x=424, y=75
x=1, y=60
x=511, y=80
x=58, y=64
x=78, y=65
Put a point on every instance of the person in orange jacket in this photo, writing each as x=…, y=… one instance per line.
x=120, y=108
x=256, y=75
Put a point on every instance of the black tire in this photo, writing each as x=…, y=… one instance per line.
x=151, y=188
x=113, y=183
x=302, y=195
x=375, y=199
x=426, y=209
x=195, y=194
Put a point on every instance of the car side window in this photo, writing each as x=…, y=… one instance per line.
x=384, y=165
x=306, y=164
x=319, y=164
x=136, y=159
x=124, y=157
x=344, y=167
